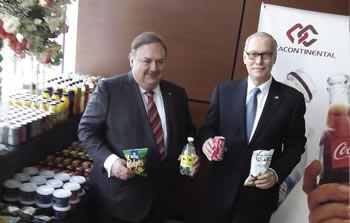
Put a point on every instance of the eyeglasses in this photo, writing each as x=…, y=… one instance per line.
x=264, y=55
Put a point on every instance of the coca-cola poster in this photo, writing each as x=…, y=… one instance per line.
x=313, y=56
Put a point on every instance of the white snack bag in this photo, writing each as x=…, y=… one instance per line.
x=260, y=162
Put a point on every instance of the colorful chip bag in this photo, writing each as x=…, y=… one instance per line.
x=136, y=160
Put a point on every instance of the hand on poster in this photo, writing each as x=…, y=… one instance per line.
x=328, y=203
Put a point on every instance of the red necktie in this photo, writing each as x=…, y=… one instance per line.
x=155, y=122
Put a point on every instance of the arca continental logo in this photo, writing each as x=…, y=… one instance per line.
x=302, y=33
x=304, y=36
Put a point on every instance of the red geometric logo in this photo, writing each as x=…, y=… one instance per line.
x=302, y=33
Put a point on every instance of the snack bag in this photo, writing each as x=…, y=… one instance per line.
x=136, y=160
x=260, y=162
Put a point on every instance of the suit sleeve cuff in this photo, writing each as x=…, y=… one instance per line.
x=109, y=162
x=274, y=173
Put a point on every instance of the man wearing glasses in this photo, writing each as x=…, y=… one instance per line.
x=256, y=113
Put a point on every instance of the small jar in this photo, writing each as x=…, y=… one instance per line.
x=59, y=160
x=86, y=165
x=44, y=196
x=50, y=158
x=81, y=181
x=62, y=198
x=61, y=214
x=10, y=192
x=74, y=188
x=27, y=193
x=76, y=163
x=67, y=161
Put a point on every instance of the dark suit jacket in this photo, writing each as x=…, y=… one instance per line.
x=281, y=123
x=115, y=119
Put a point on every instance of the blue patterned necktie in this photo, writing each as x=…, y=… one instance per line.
x=251, y=111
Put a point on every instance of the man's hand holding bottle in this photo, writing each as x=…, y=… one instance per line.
x=328, y=203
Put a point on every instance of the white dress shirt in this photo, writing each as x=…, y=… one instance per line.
x=261, y=98
x=158, y=100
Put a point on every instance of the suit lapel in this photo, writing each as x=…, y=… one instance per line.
x=271, y=105
x=239, y=98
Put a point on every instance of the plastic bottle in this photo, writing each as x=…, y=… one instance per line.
x=188, y=156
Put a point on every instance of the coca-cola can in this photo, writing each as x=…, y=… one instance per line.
x=219, y=148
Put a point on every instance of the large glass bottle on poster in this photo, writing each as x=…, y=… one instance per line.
x=335, y=142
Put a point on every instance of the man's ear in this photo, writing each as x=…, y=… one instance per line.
x=244, y=58
x=131, y=60
x=275, y=59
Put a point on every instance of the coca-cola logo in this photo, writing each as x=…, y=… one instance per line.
x=342, y=151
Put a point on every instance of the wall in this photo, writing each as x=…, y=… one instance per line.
x=205, y=40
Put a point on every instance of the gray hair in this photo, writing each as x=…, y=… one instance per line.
x=262, y=34
x=147, y=38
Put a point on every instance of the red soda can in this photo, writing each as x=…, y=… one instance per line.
x=219, y=148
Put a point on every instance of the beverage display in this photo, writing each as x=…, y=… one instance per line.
x=335, y=141
x=187, y=158
x=25, y=116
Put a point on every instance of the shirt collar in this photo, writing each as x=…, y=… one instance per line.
x=263, y=87
x=156, y=90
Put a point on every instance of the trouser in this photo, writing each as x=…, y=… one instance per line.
x=250, y=208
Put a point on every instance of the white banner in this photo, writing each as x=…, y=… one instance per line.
x=312, y=46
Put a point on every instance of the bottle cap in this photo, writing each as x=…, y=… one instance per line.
x=190, y=139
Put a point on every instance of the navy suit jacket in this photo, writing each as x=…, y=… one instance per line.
x=115, y=119
x=281, y=127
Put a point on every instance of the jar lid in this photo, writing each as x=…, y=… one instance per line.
x=30, y=170
x=78, y=179
x=62, y=193
x=45, y=190
x=60, y=208
x=40, y=205
x=12, y=184
x=28, y=187
x=47, y=173
x=71, y=186
x=38, y=180
x=62, y=176
x=22, y=177
x=74, y=201
x=55, y=183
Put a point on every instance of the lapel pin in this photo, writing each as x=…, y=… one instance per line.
x=276, y=97
x=169, y=93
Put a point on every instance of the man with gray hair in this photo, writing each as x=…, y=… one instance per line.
x=256, y=113
x=134, y=110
